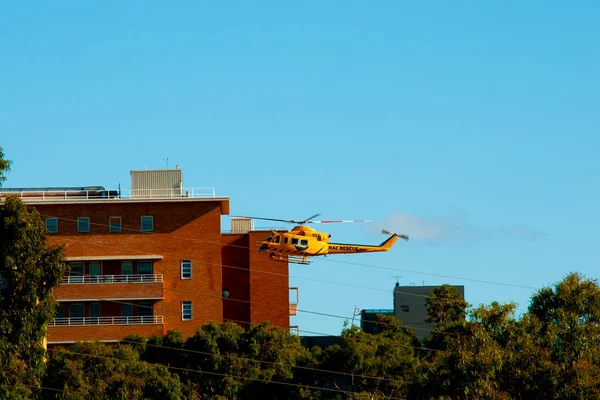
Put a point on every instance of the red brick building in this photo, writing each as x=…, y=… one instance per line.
x=154, y=259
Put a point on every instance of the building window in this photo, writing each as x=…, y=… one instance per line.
x=76, y=272
x=126, y=310
x=52, y=225
x=95, y=272
x=60, y=311
x=114, y=224
x=145, y=309
x=404, y=308
x=95, y=311
x=186, y=310
x=147, y=223
x=186, y=269
x=126, y=268
x=83, y=224
x=76, y=314
x=144, y=267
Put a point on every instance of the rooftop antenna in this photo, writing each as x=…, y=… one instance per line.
x=397, y=279
x=166, y=159
x=356, y=314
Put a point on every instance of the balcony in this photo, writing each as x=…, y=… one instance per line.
x=69, y=330
x=98, y=279
x=118, y=320
x=110, y=287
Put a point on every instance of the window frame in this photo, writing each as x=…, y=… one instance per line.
x=186, y=316
x=48, y=228
x=111, y=226
x=183, y=263
x=79, y=222
x=151, y=223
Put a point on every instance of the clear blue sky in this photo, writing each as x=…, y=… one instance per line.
x=471, y=126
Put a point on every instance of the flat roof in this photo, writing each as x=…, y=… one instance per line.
x=100, y=195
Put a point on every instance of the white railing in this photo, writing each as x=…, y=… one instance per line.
x=54, y=195
x=118, y=320
x=168, y=193
x=97, y=279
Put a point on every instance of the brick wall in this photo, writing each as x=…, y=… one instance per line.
x=269, y=286
x=182, y=230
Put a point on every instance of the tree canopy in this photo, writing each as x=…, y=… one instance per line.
x=4, y=166
x=30, y=269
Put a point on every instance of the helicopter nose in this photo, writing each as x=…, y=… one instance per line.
x=264, y=247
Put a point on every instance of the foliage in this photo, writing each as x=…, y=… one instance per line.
x=551, y=352
x=380, y=365
x=445, y=304
x=4, y=167
x=29, y=271
x=93, y=370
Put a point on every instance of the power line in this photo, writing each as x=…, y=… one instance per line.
x=254, y=360
x=215, y=373
x=267, y=272
x=176, y=312
x=338, y=261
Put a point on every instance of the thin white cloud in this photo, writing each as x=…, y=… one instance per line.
x=520, y=231
x=451, y=227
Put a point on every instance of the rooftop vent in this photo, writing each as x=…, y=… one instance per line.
x=157, y=183
x=241, y=225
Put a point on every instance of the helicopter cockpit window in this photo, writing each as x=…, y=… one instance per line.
x=294, y=241
x=285, y=240
x=276, y=239
x=270, y=237
x=304, y=242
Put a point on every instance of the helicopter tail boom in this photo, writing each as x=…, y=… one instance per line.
x=345, y=248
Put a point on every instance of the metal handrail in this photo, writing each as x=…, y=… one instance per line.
x=98, y=279
x=53, y=195
x=118, y=320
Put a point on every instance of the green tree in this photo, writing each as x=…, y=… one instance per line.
x=469, y=356
x=237, y=362
x=445, y=304
x=378, y=365
x=29, y=271
x=556, y=354
x=92, y=370
x=4, y=166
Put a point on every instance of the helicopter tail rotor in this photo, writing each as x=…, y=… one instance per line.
x=386, y=232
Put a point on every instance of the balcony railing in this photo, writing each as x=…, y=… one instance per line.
x=98, y=279
x=119, y=320
x=96, y=194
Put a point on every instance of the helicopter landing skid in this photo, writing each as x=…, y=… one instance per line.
x=290, y=259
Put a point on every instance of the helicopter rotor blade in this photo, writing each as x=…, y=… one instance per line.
x=334, y=221
x=266, y=219
x=307, y=220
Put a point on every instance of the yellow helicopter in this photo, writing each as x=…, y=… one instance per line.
x=302, y=242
